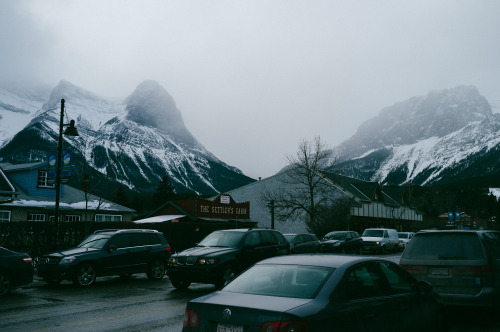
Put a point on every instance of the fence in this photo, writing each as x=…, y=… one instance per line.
x=37, y=238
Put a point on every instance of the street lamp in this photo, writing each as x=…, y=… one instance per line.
x=70, y=131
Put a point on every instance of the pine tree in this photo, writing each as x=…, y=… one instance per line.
x=164, y=192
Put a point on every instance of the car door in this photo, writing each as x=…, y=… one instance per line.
x=299, y=244
x=140, y=250
x=117, y=256
x=366, y=302
x=252, y=250
x=416, y=311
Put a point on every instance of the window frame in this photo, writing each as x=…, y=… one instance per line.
x=42, y=219
x=110, y=216
x=43, y=179
x=9, y=213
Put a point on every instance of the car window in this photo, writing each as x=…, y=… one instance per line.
x=363, y=281
x=299, y=239
x=348, y=236
x=399, y=280
x=120, y=241
x=278, y=238
x=267, y=238
x=441, y=245
x=373, y=233
x=222, y=239
x=492, y=243
x=144, y=239
x=280, y=280
x=94, y=241
x=252, y=239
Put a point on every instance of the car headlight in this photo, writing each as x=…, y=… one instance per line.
x=208, y=261
x=67, y=260
x=172, y=260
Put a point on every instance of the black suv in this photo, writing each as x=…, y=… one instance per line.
x=220, y=256
x=108, y=252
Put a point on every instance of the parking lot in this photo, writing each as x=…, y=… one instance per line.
x=139, y=304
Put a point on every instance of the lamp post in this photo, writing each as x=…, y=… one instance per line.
x=70, y=131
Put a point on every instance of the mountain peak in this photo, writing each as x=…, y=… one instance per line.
x=151, y=105
x=436, y=114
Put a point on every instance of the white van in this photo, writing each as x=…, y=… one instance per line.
x=380, y=240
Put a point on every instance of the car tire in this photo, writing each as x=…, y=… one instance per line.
x=5, y=283
x=227, y=275
x=156, y=269
x=179, y=284
x=85, y=275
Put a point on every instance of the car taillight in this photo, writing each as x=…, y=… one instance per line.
x=415, y=269
x=284, y=326
x=27, y=260
x=169, y=250
x=477, y=271
x=191, y=319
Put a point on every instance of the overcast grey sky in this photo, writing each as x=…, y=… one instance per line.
x=253, y=78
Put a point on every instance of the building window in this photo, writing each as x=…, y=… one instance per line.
x=108, y=217
x=43, y=180
x=4, y=216
x=72, y=217
x=36, y=217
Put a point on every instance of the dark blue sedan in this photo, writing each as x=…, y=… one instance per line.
x=319, y=293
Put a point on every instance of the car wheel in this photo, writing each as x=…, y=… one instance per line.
x=179, y=284
x=156, y=269
x=85, y=275
x=384, y=250
x=52, y=281
x=228, y=274
x=5, y=284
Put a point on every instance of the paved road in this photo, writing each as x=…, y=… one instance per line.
x=137, y=304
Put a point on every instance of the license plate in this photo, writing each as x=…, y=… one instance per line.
x=439, y=271
x=229, y=328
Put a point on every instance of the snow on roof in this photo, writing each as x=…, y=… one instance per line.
x=156, y=219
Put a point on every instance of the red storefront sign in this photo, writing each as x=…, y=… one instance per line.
x=223, y=207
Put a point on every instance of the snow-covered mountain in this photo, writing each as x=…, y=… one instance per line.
x=445, y=136
x=136, y=142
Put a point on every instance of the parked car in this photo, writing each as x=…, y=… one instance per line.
x=462, y=265
x=303, y=243
x=220, y=256
x=16, y=269
x=380, y=240
x=404, y=238
x=108, y=252
x=342, y=242
x=319, y=293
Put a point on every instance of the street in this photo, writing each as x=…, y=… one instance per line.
x=138, y=304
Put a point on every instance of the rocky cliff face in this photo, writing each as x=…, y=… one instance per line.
x=441, y=137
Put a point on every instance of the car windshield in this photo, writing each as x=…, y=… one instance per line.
x=281, y=280
x=373, y=233
x=94, y=241
x=222, y=239
x=445, y=246
x=334, y=236
x=403, y=235
x=289, y=237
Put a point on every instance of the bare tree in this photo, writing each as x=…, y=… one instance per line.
x=303, y=191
